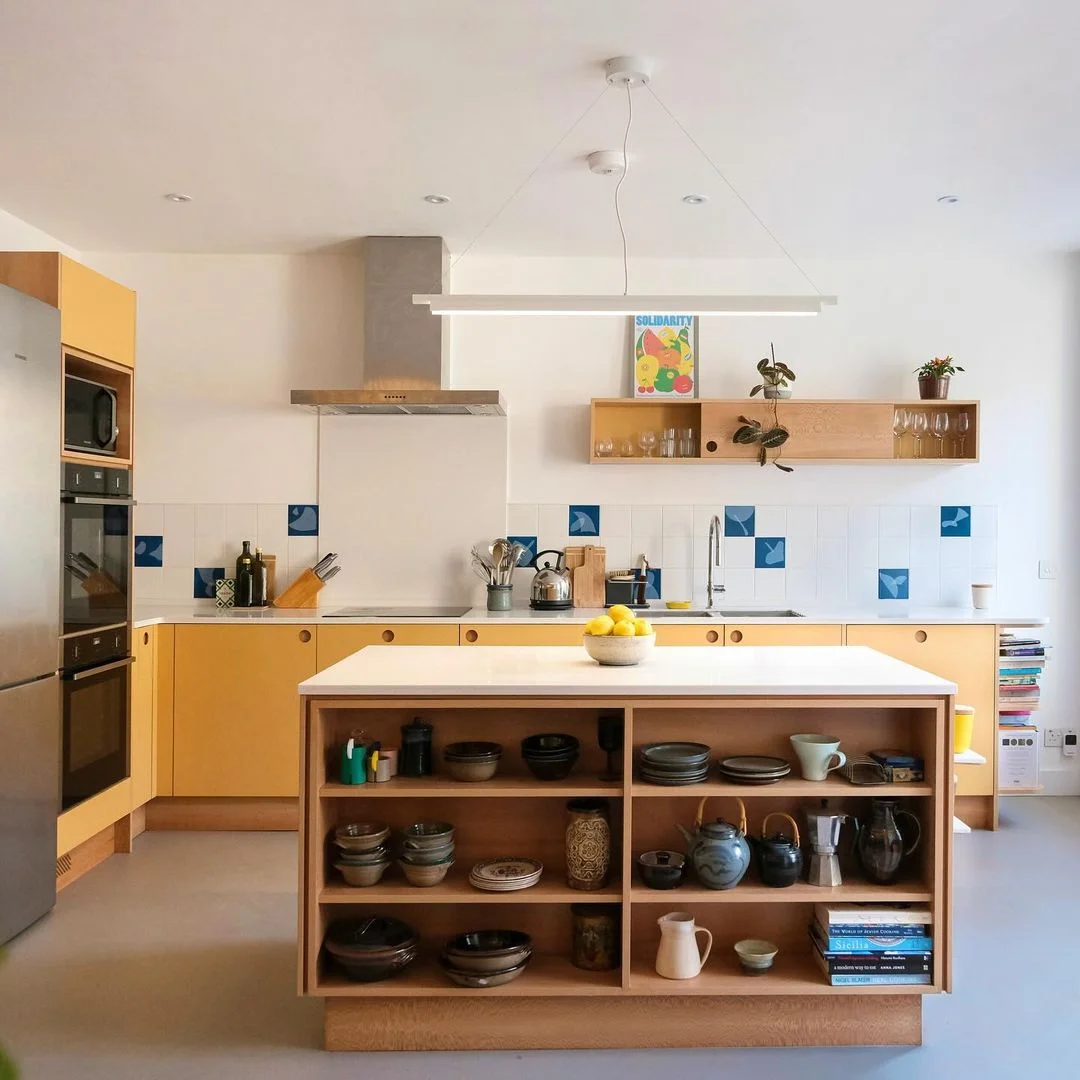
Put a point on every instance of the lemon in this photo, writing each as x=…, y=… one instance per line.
x=642, y=628
x=624, y=628
x=601, y=626
x=620, y=612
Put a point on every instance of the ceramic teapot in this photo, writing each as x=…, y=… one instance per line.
x=718, y=850
x=779, y=859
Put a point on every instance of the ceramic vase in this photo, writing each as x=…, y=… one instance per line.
x=596, y=936
x=588, y=844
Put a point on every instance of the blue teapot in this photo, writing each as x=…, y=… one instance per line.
x=717, y=849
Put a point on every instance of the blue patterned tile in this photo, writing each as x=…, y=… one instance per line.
x=148, y=550
x=738, y=521
x=770, y=552
x=956, y=521
x=529, y=558
x=303, y=519
x=653, y=579
x=204, y=581
x=893, y=584
x=583, y=520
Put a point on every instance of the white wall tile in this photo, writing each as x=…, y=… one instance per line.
x=210, y=541
x=178, y=530
x=615, y=520
x=984, y=575
x=177, y=582
x=553, y=523
x=770, y=521
x=678, y=552
x=894, y=522
x=832, y=554
x=863, y=552
x=149, y=520
x=652, y=547
x=925, y=522
x=862, y=586
x=832, y=521
x=802, y=521
x=984, y=552
x=303, y=553
x=956, y=553
x=701, y=550
x=770, y=586
x=678, y=521
x=924, y=551
x=924, y=586
x=241, y=523
x=801, y=586
x=984, y=521
x=955, y=586
x=148, y=582
x=617, y=550
x=738, y=586
x=676, y=584
x=273, y=529
x=894, y=551
x=522, y=519
x=863, y=522
x=646, y=521
x=800, y=552
x=703, y=515
x=832, y=587
x=739, y=552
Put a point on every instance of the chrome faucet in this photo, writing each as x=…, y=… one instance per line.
x=715, y=559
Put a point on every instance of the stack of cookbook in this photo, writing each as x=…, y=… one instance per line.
x=873, y=944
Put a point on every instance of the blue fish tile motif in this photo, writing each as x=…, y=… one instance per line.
x=149, y=550
x=583, y=520
x=738, y=521
x=653, y=579
x=529, y=558
x=205, y=577
x=769, y=553
x=956, y=521
x=893, y=584
x=303, y=519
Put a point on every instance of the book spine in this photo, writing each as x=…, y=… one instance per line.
x=855, y=921
x=882, y=944
x=880, y=980
x=892, y=966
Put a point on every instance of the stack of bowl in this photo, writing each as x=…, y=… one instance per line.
x=372, y=947
x=427, y=852
x=472, y=761
x=550, y=757
x=483, y=958
x=363, y=854
x=674, y=764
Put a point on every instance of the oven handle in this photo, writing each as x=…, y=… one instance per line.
x=89, y=673
x=103, y=500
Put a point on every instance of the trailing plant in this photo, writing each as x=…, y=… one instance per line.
x=767, y=438
x=941, y=367
x=773, y=374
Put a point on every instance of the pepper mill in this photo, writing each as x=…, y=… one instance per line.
x=415, y=759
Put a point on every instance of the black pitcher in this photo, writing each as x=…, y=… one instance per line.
x=779, y=859
x=881, y=845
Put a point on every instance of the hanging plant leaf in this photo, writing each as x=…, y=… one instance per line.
x=756, y=390
x=774, y=437
x=762, y=456
x=783, y=468
x=744, y=436
x=752, y=423
x=762, y=364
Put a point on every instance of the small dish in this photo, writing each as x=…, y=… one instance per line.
x=470, y=771
x=362, y=875
x=662, y=869
x=476, y=980
x=425, y=876
x=485, y=951
x=546, y=745
x=361, y=836
x=756, y=955
x=677, y=605
x=472, y=751
x=428, y=858
x=427, y=834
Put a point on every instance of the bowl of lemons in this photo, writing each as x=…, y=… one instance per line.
x=620, y=638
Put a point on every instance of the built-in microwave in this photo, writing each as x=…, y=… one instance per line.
x=90, y=416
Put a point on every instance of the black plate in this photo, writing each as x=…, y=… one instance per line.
x=675, y=754
x=754, y=765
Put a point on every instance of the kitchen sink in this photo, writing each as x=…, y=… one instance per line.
x=761, y=613
x=675, y=613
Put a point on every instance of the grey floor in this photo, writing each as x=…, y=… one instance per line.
x=179, y=962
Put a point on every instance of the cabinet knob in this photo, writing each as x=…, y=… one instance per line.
x=710, y=446
x=388, y=636
x=305, y=636
x=736, y=636
x=712, y=637
x=471, y=636
x=920, y=636
x=146, y=637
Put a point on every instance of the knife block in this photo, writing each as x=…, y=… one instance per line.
x=302, y=593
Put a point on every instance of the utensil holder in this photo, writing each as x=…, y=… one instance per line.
x=500, y=597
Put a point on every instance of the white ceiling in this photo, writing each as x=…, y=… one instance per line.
x=297, y=125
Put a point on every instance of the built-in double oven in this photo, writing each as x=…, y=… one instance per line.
x=96, y=646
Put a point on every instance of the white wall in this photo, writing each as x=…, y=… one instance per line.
x=19, y=235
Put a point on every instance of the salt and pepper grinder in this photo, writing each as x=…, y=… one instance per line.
x=416, y=758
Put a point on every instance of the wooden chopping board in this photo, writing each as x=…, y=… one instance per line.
x=589, y=578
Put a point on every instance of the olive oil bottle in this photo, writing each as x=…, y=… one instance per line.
x=259, y=596
x=245, y=577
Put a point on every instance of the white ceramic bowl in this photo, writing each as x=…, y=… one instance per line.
x=613, y=651
x=755, y=954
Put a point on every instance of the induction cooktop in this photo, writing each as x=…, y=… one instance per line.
x=397, y=613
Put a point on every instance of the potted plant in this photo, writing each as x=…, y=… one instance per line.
x=775, y=377
x=934, y=378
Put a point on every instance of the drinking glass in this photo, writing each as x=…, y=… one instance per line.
x=919, y=427
x=901, y=421
x=626, y=447
x=609, y=734
x=939, y=429
x=647, y=441
x=668, y=442
x=963, y=426
x=605, y=446
x=686, y=442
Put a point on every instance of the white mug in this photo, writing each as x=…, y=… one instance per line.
x=816, y=753
x=980, y=596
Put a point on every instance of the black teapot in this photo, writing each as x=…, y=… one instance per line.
x=779, y=859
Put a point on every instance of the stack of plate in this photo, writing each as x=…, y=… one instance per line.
x=752, y=769
x=506, y=874
x=674, y=764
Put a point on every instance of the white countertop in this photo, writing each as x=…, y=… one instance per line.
x=449, y=671
x=148, y=613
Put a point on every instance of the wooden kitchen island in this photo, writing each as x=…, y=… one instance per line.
x=738, y=701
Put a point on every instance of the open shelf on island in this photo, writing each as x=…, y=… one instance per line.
x=457, y=890
x=808, y=789
x=408, y=787
x=753, y=892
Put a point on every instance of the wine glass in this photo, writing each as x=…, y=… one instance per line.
x=647, y=441
x=901, y=421
x=963, y=426
x=939, y=429
x=609, y=734
x=919, y=427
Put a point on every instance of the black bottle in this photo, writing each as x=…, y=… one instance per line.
x=245, y=577
x=416, y=748
x=258, y=596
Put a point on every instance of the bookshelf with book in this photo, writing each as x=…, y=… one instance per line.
x=1021, y=661
x=873, y=944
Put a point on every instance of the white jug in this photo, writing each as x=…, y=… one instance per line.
x=678, y=956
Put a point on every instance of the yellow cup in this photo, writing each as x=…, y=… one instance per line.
x=963, y=727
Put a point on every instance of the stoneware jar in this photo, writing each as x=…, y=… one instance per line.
x=588, y=844
x=597, y=936
x=678, y=956
x=718, y=851
x=881, y=845
x=779, y=859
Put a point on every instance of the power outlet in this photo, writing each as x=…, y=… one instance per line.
x=1052, y=738
x=1047, y=570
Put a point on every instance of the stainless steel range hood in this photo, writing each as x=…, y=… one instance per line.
x=405, y=361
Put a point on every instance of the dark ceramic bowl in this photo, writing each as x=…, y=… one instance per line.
x=546, y=745
x=487, y=950
x=375, y=969
x=480, y=980
x=661, y=869
x=547, y=769
x=427, y=834
x=472, y=751
x=369, y=934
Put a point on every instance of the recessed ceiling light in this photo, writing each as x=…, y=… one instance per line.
x=436, y=200
x=176, y=196
x=948, y=198
x=695, y=200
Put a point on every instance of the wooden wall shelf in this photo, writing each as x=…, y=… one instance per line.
x=822, y=431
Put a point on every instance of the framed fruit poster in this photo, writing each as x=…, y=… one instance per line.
x=665, y=356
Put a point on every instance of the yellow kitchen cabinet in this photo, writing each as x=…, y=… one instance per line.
x=236, y=712
x=97, y=315
x=336, y=642
x=965, y=655
x=783, y=634
x=522, y=634
x=689, y=635
x=143, y=714
x=164, y=650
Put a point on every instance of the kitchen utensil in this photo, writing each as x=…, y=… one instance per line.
x=500, y=548
x=500, y=597
x=588, y=578
x=323, y=564
x=302, y=593
x=588, y=844
x=881, y=845
x=756, y=955
x=596, y=937
x=718, y=851
x=824, y=829
x=779, y=859
x=551, y=585
x=661, y=869
x=334, y=570
x=816, y=753
x=678, y=956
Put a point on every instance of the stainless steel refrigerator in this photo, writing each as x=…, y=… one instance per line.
x=30, y=407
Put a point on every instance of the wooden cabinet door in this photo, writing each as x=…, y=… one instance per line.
x=337, y=642
x=236, y=717
x=96, y=315
x=688, y=635
x=522, y=634
x=783, y=634
x=143, y=689
x=967, y=656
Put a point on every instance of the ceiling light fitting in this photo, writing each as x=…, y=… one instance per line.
x=176, y=196
x=626, y=72
x=948, y=199
x=437, y=200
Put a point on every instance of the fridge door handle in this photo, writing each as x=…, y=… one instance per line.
x=89, y=673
